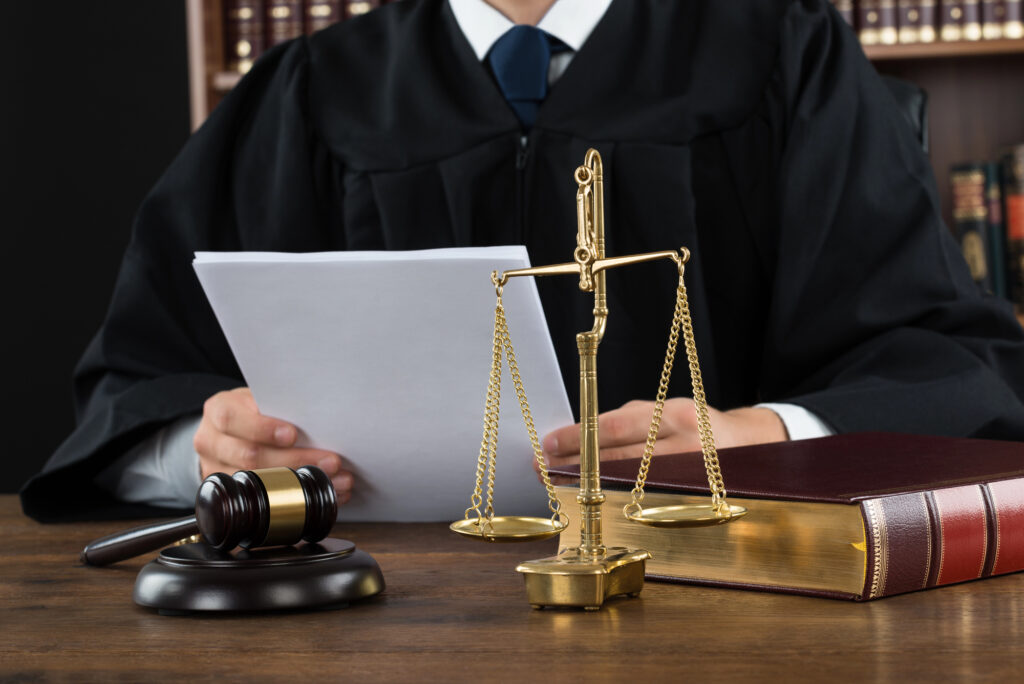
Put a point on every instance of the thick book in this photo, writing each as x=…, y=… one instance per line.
x=244, y=39
x=857, y=516
x=971, y=220
x=1013, y=218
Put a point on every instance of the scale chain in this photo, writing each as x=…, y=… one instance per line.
x=554, y=505
x=681, y=319
x=489, y=441
x=487, y=460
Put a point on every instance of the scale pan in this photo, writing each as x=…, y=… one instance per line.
x=509, y=528
x=688, y=515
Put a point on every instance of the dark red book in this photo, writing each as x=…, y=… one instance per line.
x=951, y=20
x=916, y=20
x=354, y=8
x=284, y=21
x=876, y=22
x=244, y=38
x=1013, y=26
x=993, y=15
x=322, y=13
x=857, y=516
x=972, y=20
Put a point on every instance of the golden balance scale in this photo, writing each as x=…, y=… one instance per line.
x=586, y=575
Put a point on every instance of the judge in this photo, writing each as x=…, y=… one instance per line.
x=826, y=293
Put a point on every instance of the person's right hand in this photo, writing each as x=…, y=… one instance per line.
x=233, y=435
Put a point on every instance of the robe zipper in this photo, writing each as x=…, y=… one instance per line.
x=522, y=153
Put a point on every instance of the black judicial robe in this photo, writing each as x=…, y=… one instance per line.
x=753, y=132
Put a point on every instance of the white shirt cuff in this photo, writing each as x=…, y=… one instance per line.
x=162, y=470
x=800, y=423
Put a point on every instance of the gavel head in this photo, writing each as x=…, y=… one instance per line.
x=268, y=507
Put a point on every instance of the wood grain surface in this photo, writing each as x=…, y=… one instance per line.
x=455, y=610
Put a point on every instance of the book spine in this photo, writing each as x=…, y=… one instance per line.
x=1013, y=218
x=929, y=17
x=951, y=20
x=845, y=9
x=322, y=13
x=993, y=14
x=243, y=29
x=1013, y=26
x=996, y=230
x=972, y=20
x=354, y=8
x=929, y=539
x=909, y=21
x=284, y=21
x=970, y=220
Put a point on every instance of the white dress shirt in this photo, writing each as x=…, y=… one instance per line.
x=163, y=470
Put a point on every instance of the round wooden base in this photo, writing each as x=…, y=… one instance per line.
x=198, y=577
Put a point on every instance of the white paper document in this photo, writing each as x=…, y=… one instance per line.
x=384, y=358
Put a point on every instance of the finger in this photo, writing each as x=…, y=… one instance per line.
x=234, y=413
x=622, y=426
x=343, y=483
x=229, y=454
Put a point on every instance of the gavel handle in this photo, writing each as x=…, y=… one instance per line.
x=137, y=541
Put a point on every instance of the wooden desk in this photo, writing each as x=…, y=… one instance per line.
x=454, y=610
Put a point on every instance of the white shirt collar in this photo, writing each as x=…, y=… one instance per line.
x=571, y=21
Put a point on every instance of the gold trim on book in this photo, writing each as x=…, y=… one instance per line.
x=794, y=544
x=880, y=546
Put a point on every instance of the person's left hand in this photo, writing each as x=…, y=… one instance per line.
x=623, y=431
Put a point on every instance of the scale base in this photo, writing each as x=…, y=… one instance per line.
x=199, y=578
x=579, y=580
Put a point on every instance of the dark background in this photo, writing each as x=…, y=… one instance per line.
x=93, y=107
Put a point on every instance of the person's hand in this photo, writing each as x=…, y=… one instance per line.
x=233, y=435
x=623, y=431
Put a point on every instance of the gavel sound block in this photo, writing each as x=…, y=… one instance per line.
x=274, y=508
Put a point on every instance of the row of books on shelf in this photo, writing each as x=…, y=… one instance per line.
x=988, y=222
x=888, y=22
x=252, y=26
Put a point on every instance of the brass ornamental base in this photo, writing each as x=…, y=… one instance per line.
x=576, y=579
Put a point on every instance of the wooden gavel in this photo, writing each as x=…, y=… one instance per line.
x=267, y=507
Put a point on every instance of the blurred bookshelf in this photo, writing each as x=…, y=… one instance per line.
x=975, y=84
